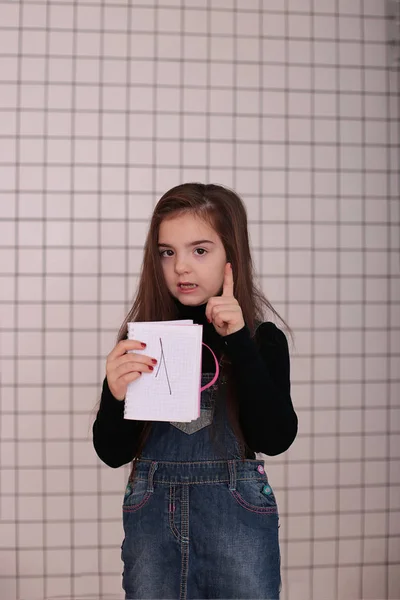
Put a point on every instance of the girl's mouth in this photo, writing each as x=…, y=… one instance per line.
x=186, y=288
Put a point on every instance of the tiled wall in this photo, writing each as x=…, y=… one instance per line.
x=103, y=107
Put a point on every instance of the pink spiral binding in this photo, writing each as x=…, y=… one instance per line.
x=214, y=379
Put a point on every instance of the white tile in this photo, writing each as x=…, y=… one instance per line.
x=348, y=581
x=61, y=17
x=194, y=74
x=88, y=17
x=60, y=504
x=299, y=26
x=299, y=263
x=350, y=53
x=222, y=23
x=169, y=46
x=30, y=289
x=324, y=105
x=31, y=562
x=349, y=28
x=299, y=156
x=7, y=426
x=375, y=291
x=34, y=42
x=351, y=236
x=350, y=80
x=221, y=154
x=115, y=44
x=57, y=427
x=30, y=535
x=376, y=236
x=247, y=49
x=57, y=372
x=196, y=21
x=374, y=550
x=324, y=369
x=349, y=550
x=324, y=27
x=350, y=499
x=222, y=101
x=248, y=155
x=58, y=561
x=142, y=45
x=375, y=132
x=87, y=44
x=324, y=554
x=350, y=105
x=248, y=23
x=8, y=99
x=114, y=261
x=7, y=233
x=59, y=42
x=8, y=42
x=194, y=47
x=143, y=19
x=325, y=289
x=298, y=555
x=324, y=78
x=247, y=75
x=32, y=68
x=296, y=180
x=350, y=368
x=167, y=178
x=299, y=104
x=84, y=561
x=57, y=453
x=374, y=55
x=375, y=30
x=377, y=367
x=273, y=26
x=85, y=371
x=30, y=453
x=54, y=532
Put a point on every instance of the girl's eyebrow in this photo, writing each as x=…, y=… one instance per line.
x=189, y=244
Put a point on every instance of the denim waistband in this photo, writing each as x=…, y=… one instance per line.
x=206, y=471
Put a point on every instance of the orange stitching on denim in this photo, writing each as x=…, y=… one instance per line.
x=136, y=507
x=251, y=507
x=167, y=481
x=199, y=462
x=172, y=525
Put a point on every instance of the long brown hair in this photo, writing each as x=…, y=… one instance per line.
x=225, y=212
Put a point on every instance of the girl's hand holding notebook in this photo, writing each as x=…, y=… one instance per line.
x=172, y=392
x=124, y=366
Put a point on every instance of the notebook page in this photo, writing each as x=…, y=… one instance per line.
x=172, y=391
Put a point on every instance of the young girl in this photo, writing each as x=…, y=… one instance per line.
x=200, y=518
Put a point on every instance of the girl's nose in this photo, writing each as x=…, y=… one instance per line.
x=181, y=266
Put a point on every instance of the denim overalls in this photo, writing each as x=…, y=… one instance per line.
x=199, y=522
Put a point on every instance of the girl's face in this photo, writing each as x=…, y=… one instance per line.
x=191, y=251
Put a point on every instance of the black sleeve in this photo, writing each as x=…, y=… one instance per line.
x=115, y=439
x=261, y=368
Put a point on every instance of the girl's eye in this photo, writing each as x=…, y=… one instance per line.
x=203, y=252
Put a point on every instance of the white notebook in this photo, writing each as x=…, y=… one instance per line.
x=172, y=391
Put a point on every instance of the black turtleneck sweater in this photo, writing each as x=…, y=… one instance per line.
x=262, y=375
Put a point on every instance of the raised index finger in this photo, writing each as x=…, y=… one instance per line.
x=227, y=289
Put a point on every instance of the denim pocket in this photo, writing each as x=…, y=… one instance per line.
x=136, y=495
x=205, y=419
x=207, y=402
x=255, y=495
